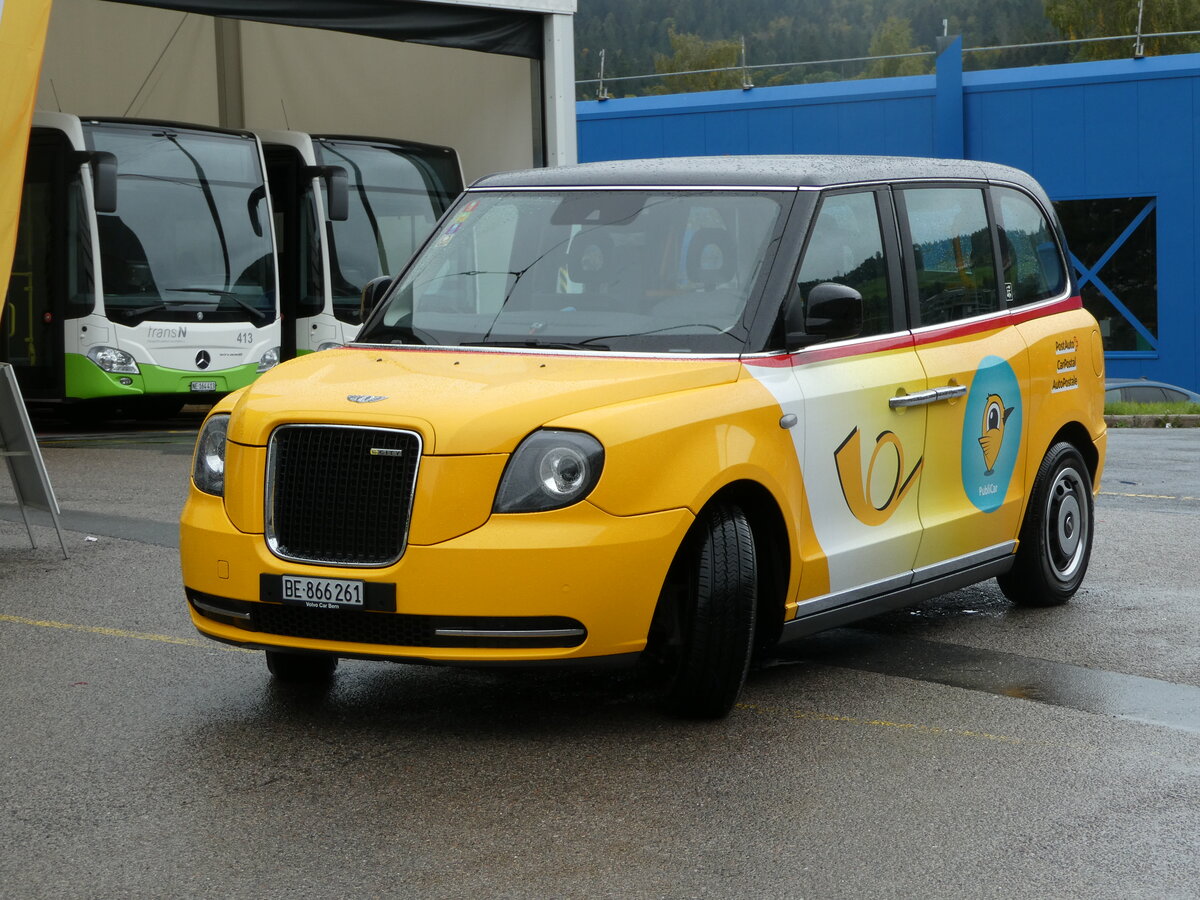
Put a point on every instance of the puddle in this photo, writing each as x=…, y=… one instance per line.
x=1006, y=674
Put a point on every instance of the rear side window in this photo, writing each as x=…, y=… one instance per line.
x=1145, y=394
x=846, y=247
x=953, y=260
x=1032, y=265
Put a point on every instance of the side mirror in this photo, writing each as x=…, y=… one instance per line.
x=337, y=190
x=372, y=293
x=104, y=177
x=257, y=196
x=831, y=312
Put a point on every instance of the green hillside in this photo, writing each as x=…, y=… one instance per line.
x=637, y=36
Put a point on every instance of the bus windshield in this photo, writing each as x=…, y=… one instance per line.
x=397, y=194
x=191, y=237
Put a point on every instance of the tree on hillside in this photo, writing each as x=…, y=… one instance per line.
x=1077, y=19
x=891, y=38
x=690, y=52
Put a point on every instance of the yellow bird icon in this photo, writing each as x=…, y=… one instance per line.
x=995, y=416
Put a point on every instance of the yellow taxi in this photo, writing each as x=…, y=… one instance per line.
x=672, y=411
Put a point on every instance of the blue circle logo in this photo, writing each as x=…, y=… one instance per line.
x=991, y=433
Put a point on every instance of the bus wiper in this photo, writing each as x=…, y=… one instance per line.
x=229, y=295
x=209, y=199
x=543, y=345
x=134, y=313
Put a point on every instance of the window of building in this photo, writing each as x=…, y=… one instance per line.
x=1113, y=247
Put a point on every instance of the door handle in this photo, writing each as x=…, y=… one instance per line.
x=924, y=398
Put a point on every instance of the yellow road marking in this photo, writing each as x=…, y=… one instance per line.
x=117, y=632
x=1146, y=496
x=879, y=723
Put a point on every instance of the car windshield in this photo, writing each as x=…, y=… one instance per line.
x=191, y=237
x=662, y=271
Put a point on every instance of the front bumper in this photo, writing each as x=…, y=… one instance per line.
x=567, y=570
x=85, y=380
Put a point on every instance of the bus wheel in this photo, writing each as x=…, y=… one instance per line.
x=710, y=600
x=1056, y=536
x=301, y=668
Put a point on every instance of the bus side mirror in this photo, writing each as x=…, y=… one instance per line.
x=372, y=293
x=337, y=190
x=104, y=177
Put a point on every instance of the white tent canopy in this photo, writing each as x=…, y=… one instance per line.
x=507, y=103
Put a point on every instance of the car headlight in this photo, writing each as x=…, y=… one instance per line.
x=329, y=345
x=269, y=360
x=110, y=359
x=549, y=470
x=208, y=466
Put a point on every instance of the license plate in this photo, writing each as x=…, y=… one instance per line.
x=202, y=386
x=321, y=593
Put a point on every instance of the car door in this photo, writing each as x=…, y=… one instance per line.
x=975, y=361
x=862, y=456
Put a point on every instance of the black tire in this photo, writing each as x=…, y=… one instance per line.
x=1056, y=536
x=301, y=668
x=709, y=605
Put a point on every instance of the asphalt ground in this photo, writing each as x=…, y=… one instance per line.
x=962, y=748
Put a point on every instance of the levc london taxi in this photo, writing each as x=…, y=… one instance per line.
x=669, y=410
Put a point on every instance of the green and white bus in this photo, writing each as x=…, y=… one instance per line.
x=145, y=270
x=347, y=210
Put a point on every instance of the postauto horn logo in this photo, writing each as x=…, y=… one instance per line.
x=991, y=433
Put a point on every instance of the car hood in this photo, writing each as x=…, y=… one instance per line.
x=460, y=401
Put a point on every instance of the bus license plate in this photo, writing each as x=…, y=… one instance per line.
x=204, y=386
x=321, y=593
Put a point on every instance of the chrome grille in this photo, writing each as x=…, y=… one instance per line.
x=340, y=495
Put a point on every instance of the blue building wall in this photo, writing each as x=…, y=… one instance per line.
x=1121, y=128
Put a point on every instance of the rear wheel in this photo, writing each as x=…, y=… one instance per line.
x=301, y=668
x=1056, y=536
x=706, y=614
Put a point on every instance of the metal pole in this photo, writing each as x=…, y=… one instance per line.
x=231, y=103
x=1139, y=49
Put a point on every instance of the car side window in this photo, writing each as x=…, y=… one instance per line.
x=846, y=247
x=953, y=259
x=1143, y=394
x=1031, y=263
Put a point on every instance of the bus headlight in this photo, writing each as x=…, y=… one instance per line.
x=110, y=359
x=549, y=470
x=269, y=360
x=208, y=465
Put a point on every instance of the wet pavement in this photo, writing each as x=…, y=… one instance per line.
x=961, y=748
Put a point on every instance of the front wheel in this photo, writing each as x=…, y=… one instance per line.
x=301, y=668
x=1056, y=536
x=708, y=613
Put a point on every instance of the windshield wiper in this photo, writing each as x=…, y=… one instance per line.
x=209, y=199
x=543, y=345
x=134, y=313
x=587, y=342
x=230, y=295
